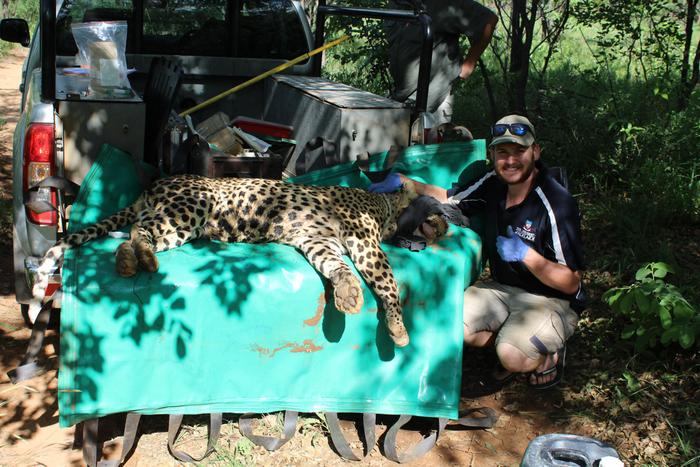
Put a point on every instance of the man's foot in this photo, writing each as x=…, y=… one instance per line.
x=550, y=372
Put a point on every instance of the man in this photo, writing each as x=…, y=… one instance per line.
x=450, y=19
x=532, y=238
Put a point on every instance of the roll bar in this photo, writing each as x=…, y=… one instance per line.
x=416, y=16
x=47, y=21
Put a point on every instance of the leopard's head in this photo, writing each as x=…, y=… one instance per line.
x=433, y=226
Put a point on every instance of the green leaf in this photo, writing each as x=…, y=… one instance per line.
x=631, y=381
x=642, y=301
x=661, y=269
x=686, y=338
x=683, y=310
x=628, y=331
x=649, y=287
x=612, y=295
x=665, y=317
x=625, y=304
x=643, y=272
x=670, y=335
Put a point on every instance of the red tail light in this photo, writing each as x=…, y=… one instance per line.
x=39, y=163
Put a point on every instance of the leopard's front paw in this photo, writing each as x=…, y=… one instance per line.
x=397, y=331
x=347, y=293
x=127, y=264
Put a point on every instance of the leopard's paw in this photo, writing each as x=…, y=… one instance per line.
x=397, y=331
x=127, y=264
x=347, y=293
x=146, y=258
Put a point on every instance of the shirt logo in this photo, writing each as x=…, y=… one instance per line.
x=526, y=232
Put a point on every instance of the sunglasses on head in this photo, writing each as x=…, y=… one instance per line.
x=517, y=129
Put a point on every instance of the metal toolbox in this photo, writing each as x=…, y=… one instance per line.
x=355, y=121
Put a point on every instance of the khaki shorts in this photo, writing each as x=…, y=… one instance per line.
x=532, y=323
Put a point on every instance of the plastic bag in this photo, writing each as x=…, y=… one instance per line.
x=102, y=49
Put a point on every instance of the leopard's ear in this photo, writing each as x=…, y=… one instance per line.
x=409, y=188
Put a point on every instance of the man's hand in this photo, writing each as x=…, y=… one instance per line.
x=511, y=248
x=467, y=69
x=390, y=184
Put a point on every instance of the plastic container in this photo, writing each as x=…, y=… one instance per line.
x=565, y=450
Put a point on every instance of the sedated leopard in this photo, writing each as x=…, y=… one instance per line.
x=322, y=222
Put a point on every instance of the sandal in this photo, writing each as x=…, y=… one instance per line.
x=557, y=369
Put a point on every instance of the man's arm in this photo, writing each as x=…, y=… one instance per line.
x=477, y=48
x=436, y=192
x=555, y=275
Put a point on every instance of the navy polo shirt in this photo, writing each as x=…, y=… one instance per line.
x=548, y=220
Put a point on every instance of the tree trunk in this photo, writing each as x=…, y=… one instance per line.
x=5, y=8
x=489, y=91
x=522, y=28
x=688, y=83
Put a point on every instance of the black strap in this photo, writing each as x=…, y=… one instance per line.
x=318, y=153
x=60, y=183
x=487, y=420
x=418, y=450
x=174, y=423
x=363, y=164
x=245, y=425
x=413, y=244
x=30, y=365
x=341, y=444
x=91, y=443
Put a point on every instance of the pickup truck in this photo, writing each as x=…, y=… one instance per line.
x=217, y=45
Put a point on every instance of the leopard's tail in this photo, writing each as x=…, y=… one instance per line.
x=53, y=259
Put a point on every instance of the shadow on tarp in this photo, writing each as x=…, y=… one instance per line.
x=235, y=328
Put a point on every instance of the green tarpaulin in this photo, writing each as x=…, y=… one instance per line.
x=251, y=328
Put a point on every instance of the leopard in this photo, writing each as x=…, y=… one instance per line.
x=322, y=222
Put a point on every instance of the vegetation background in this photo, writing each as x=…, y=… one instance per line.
x=612, y=87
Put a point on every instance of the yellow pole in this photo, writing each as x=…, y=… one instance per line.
x=260, y=77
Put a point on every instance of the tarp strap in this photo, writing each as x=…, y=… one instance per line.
x=413, y=243
x=418, y=450
x=341, y=444
x=487, y=420
x=90, y=441
x=245, y=425
x=60, y=183
x=174, y=423
x=30, y=366
x=379, y=175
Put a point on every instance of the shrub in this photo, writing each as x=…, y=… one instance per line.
x=657, y=311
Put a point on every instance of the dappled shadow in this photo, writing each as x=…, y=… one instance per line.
x=32, y=404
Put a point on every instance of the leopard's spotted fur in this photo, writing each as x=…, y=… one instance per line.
x=322, y=222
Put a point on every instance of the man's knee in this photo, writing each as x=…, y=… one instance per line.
x=515, y=360
x=477, y=339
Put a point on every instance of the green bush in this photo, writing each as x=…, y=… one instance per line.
x=657, y=311
x=25, y=9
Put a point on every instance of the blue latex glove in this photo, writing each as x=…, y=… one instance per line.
x=511, y=248
x=390, y=184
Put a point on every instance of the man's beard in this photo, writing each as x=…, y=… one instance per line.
x=528, y=169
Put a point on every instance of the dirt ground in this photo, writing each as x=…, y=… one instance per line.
x=30, y=435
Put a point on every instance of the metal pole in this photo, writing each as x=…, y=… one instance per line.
x=47, y=28
x=264, y=75
x=319, y=36
x=426, y=58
